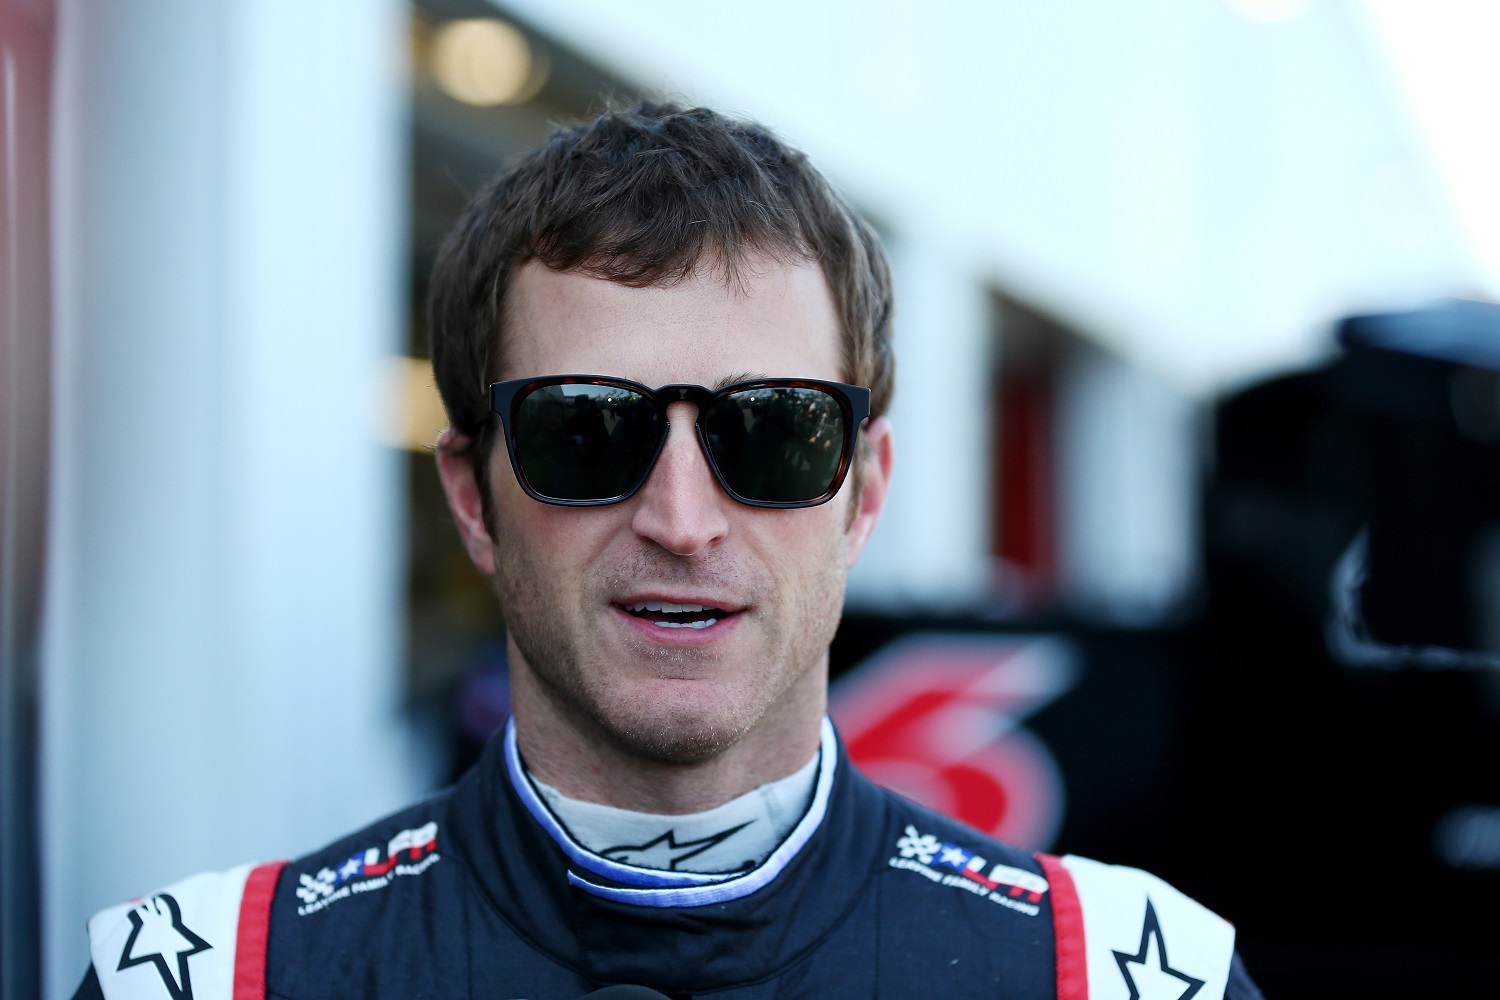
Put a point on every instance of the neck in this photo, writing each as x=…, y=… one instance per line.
x=566, y=749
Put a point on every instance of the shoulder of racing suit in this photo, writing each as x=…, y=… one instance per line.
x=383, y=907
x=209, y=936
x=1113, y=927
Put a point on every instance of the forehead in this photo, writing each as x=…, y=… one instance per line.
x=771, y=319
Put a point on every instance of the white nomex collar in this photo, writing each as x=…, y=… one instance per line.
x=733, y=837
x=663, y=888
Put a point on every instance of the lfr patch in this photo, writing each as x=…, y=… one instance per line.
x=365, y=871
x=960, y=868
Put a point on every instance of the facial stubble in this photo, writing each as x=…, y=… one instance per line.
x=559, y=636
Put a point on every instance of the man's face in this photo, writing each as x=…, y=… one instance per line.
x=573, y=581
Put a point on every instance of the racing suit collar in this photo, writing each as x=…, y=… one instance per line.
x=655, y=888
x=732, y=837
x=533, y=883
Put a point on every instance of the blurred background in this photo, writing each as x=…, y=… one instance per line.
x=1191, y=561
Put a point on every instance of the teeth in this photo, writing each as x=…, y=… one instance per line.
x=667, y=606
x=705, y=623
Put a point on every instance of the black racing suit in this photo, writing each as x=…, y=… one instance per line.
x=467, y=895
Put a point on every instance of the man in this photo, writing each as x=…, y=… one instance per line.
x=664, y=347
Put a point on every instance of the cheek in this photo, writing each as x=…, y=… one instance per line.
x=555, y=547
x=819, y=600
x=808, y=558
x=537, y=583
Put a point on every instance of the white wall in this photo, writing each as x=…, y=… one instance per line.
x=222, y=639
x=932, y=541
x=1198, y=190
x=1128, y=478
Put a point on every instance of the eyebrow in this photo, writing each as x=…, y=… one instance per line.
x=739, y=377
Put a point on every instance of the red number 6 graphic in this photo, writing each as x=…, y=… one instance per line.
x=937, y=718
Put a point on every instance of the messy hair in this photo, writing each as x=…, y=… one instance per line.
x=647, y=196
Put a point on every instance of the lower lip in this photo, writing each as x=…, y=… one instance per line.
x=680, y=637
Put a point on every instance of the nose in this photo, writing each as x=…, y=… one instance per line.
x=680, y=506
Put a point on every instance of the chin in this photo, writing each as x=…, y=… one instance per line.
x=680, y=736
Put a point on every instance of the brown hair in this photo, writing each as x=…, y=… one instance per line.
x=645, y=196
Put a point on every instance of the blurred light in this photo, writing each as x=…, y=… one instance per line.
x=485, y=62
x=1269, y=10
x=1442, y=55
x=1401, y=205
x=413, y=414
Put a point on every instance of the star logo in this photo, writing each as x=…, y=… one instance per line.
x=157, y=932
x=661, y=852
x=1154, y=978
x=950, y=854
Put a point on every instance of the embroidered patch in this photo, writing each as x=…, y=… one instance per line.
x=1154, y=979
x=179, y=943
x=159, y=937
x=1145, y=940
x=1011, y=887
x=365, y=871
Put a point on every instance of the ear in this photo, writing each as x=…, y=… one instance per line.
x=456, y=469
x=874, y=483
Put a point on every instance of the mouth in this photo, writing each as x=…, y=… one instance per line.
x=669, y=615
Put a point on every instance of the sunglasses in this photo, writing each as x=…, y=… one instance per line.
x=586, y=440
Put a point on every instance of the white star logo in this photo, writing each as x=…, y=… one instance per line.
x=156, y=931
x=350, y=868
x=956, y=856
x=1153, y=978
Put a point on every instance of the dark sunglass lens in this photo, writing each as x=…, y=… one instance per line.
x=777, y=444
x=584, y=442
